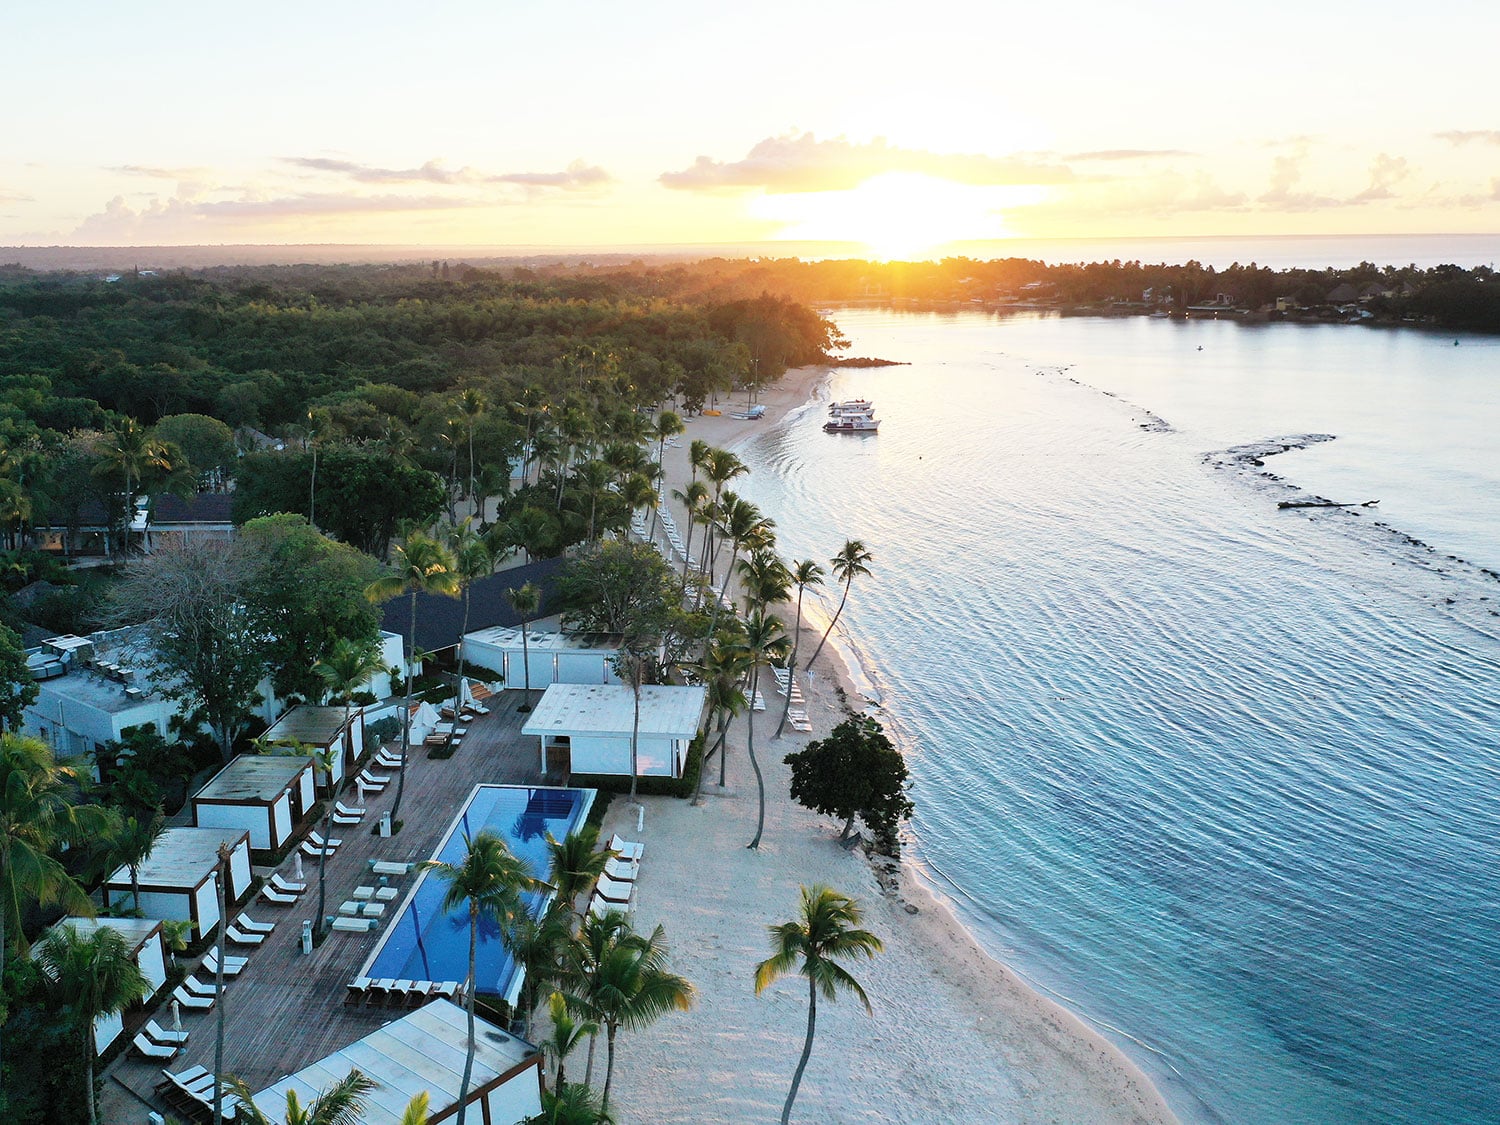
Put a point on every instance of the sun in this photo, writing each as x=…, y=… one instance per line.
x=895, y=215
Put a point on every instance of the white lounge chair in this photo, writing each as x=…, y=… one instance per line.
x=628, y=849
x=275, y=897
x=192, y=999
x=201, y=988
x=598, y=907
x=357, y=990
x=240, y=937
x=155, y=1032
x=317, y=838
x=341, y=821
x=286, y=886
x=447, y=989
x=233, y=967
x=625, y=870
x=251, y=926
x=341, y=809
x=312, y=851
x=184, y=1078
x=386, y=761
x=152, y=1050
x=614, y=890
x=373, y=782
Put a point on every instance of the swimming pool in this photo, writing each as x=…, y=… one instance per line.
x=424, y=943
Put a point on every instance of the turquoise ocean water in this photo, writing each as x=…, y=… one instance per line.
x=1224, y=778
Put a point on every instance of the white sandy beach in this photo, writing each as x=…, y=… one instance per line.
x=955, y=1036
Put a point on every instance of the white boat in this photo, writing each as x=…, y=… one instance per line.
x=852, y=406
x=852, y=424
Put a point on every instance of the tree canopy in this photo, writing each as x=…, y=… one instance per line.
x=854, y=772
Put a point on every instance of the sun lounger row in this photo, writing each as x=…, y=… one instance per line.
x=346, y=817
x=192, y=1091
x=388, y=992
x=368, y=782
x=232, y=965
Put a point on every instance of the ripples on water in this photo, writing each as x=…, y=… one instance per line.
x=1201, y=767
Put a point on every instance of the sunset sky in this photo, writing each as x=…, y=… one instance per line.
x=897, y=128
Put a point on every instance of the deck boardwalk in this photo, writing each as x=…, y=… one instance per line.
x=287, y=1010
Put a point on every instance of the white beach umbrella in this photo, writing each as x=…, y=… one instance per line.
x=297, y=867
x=176, y=1015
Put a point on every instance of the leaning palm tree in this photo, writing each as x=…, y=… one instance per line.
x=221, y=1014
x=723, y=670
x=525, y=601
x=764, y=641
x=131, y=844
x=693, y=497
x=423, y=566
x=35, y=816
x=668, y=424
x=852, y=561
x=346, y=668
x=805, y=573
x=764, y=579
x=343, y=1103
x=826, y=929
x=326, y=759
x=739, y=520
x=488, y=880
x=95, y=975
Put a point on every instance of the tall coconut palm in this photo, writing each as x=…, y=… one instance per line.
x=693, y=498
x=471, y=407
x=488, y=880
x=720, y=466
x=130, y=845
x=805, y=573
x=472, y=560
x=536, y=944
x=825, y=930
x=698, y=455
x=723, y=669
x=668, y=424
x=738, y=520
x=575, y=862
x=96, y=976
x=852, y=561
x=129, y=451
x=592, y=485
x=634, y=989
x=35, y=816
x=526, y=601
x=764, y=579
x=423, y=566
x=326, y=759
x=221, y=1014
x=597, y=933
x=638, y=493
x=573, y=1104
x=346, y=668
x=343, y=1103
x=764, y=641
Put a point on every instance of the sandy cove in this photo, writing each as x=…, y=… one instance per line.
x=955, y=1036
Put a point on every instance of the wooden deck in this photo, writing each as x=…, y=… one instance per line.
x=286, y=1010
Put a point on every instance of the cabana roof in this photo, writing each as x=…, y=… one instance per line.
x=183, y=857
x=667, y=711
x=423, y=1050
x=255, y=778
x=312, y=726
x=136, y=931
x=501, y=636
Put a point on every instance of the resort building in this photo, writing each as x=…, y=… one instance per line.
x=586, y=728
x=316, y=729
x=551, y=658
x=148, y=949
x=180, y=878
x=425, y=1050
x=89, y=690
x=266, y=795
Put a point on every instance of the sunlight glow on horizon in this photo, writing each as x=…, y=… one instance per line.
x=896, y=215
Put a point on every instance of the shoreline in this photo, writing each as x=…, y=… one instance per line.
x=956, y=1033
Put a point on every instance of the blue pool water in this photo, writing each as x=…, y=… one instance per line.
x=426, y=943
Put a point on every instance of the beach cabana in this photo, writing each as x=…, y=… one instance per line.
x=143, y=936
x=554, y=658
x=425, y=1050
x=585, y=728
x=321, y=728
x=177, y=880
x=265, y=794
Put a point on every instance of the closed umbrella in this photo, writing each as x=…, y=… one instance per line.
x=176, y=1016
x=297, y=868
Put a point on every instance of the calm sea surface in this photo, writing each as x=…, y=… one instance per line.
x=1225, y=778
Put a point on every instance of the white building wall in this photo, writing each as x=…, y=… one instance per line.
x=208, y=906
x=611, y=754
x=253, y=818
x=239, y=873
x=305, y=796
x=159, y=904
x=282, y=815
x=152, y=959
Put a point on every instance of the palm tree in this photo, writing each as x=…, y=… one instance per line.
x=723, y=668
x=472, y=560
x=471, y=407
x=851, y=561
x=423, y=566
x=739, y=520
x=573, y=1104
x=693, y=497
x=130, y=846
x=326, y=758
x=343, y=1103
x=175, y=933
x=720, y=466
x=575, y=862
x=633, y=988
x=592, y=484
x=221, y=878
x=764, y=641
x=581, y=960
x=764, y=579
x=489, y=881
x=536, y=945
x=96, y=976
x=35, y=816
x=346, y=667
x=525, y=601
x=637, y=492
x=129, y=451
x=698, y=455
x=566, y=1034
x=668, y=425
x=805, y=573
x=825, y=930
